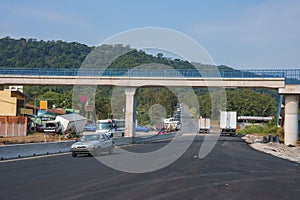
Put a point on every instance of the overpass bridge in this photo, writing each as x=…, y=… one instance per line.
x=286, y=81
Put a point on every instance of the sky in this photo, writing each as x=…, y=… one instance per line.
x=243, y=34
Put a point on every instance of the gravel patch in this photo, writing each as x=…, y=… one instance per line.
x=274, y=148
x=279, y=150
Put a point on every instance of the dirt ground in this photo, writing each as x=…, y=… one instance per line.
x=279, y=150
x=32, y=138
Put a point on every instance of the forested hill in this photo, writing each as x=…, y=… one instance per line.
x=43, y=54
x=31, y=53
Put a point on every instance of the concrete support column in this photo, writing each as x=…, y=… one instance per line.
x=291, y=120
x=130, y=112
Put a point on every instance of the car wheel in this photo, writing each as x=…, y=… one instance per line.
x=74, y=154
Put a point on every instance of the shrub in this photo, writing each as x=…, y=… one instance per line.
x=269, y=128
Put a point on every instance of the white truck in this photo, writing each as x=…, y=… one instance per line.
x=73, y=123
x=110, y=128
x=204, y=125
x=119, y=126
x=171, y=124
x=228, y=122
x=52, y=127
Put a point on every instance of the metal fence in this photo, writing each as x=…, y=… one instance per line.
x=292, y=76
x=13, y=129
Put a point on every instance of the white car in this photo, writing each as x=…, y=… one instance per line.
x=93, y=144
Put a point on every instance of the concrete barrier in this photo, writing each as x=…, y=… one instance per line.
x=119, y=141
x=34, y=149
x=138, y=140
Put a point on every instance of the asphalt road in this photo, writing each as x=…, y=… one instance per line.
x=232, y=170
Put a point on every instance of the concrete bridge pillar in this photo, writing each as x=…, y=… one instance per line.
x=291, y=120
x=130, y=113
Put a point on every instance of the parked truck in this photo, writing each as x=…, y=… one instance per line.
x=110, y=128
x=204, y=125
x=228, y=122
x=52, y=127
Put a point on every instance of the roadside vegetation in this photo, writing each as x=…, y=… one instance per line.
x=269, y=128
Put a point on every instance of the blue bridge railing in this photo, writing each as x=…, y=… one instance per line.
x=292, y=76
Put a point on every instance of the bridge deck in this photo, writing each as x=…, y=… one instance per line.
x=152, y=77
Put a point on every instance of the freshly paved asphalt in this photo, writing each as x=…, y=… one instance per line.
x=232, y=170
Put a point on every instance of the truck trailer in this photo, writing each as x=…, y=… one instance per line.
x=204, y=125
x=228, y=123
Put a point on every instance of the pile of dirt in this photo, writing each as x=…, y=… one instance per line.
x=34, y=138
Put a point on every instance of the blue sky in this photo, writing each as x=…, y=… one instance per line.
x=241, y=34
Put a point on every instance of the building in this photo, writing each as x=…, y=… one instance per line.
x=13, y=113
x=12, y=103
